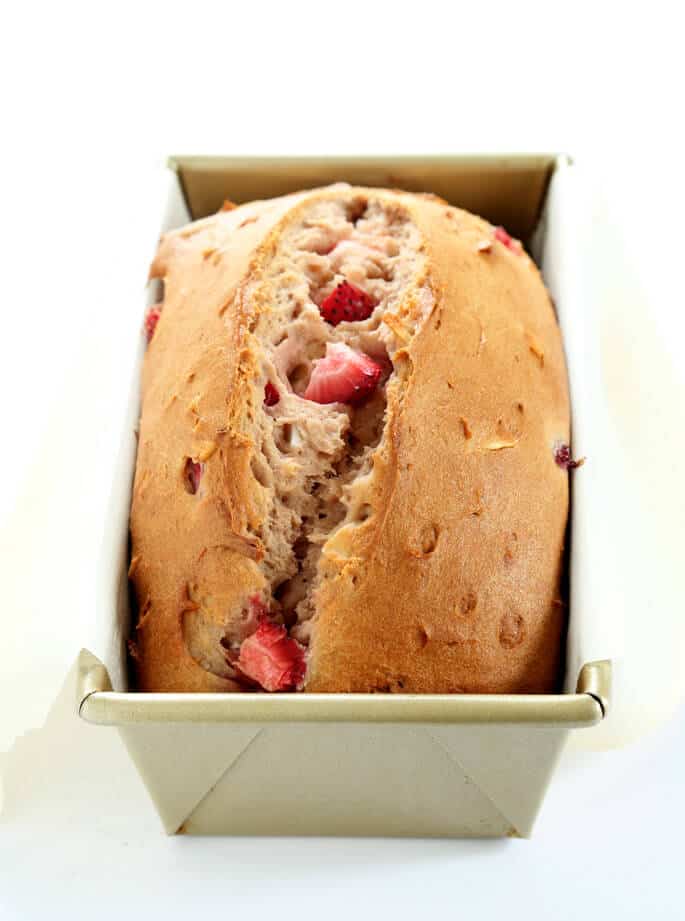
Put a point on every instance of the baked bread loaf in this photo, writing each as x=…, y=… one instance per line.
x=351, y=472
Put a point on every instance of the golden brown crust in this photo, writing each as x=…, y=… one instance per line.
x=452, y=584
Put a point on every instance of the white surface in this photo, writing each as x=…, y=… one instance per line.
x=91, y=104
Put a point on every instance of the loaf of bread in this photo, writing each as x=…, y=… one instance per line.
x=353, y=452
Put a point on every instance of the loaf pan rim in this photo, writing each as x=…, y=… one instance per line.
x=99, y=704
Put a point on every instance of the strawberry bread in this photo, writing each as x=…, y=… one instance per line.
x=348, y=474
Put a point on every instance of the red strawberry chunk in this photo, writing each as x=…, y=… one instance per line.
x=348, y=303
x=342, y=376
x=562, y=456
x=271, y=658
x=151, y=320
x=271, y=395
x=192, y=475
x=503, y=237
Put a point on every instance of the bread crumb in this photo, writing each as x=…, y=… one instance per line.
x=466, y=427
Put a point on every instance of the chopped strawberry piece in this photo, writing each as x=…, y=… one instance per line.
x=271, y=658
x=151, y=320
x=342, y=376
x=562, y=455
x=271, y=395
x=503, y=237
x=348, y=303
x=192, y=475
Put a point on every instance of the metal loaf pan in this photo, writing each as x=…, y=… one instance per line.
x=413, y=765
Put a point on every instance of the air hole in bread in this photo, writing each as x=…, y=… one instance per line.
x=422, y=636
x=363, y=513
x=207, y=643
x=356, y=210
x=192, y=475
x=284, y=437
x=299, y=376
x=261, y=471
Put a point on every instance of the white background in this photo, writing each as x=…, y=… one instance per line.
x=93, y=99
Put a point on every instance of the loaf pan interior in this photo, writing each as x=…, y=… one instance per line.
x=506, y=190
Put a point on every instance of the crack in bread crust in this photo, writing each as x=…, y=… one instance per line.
x=315, y=461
